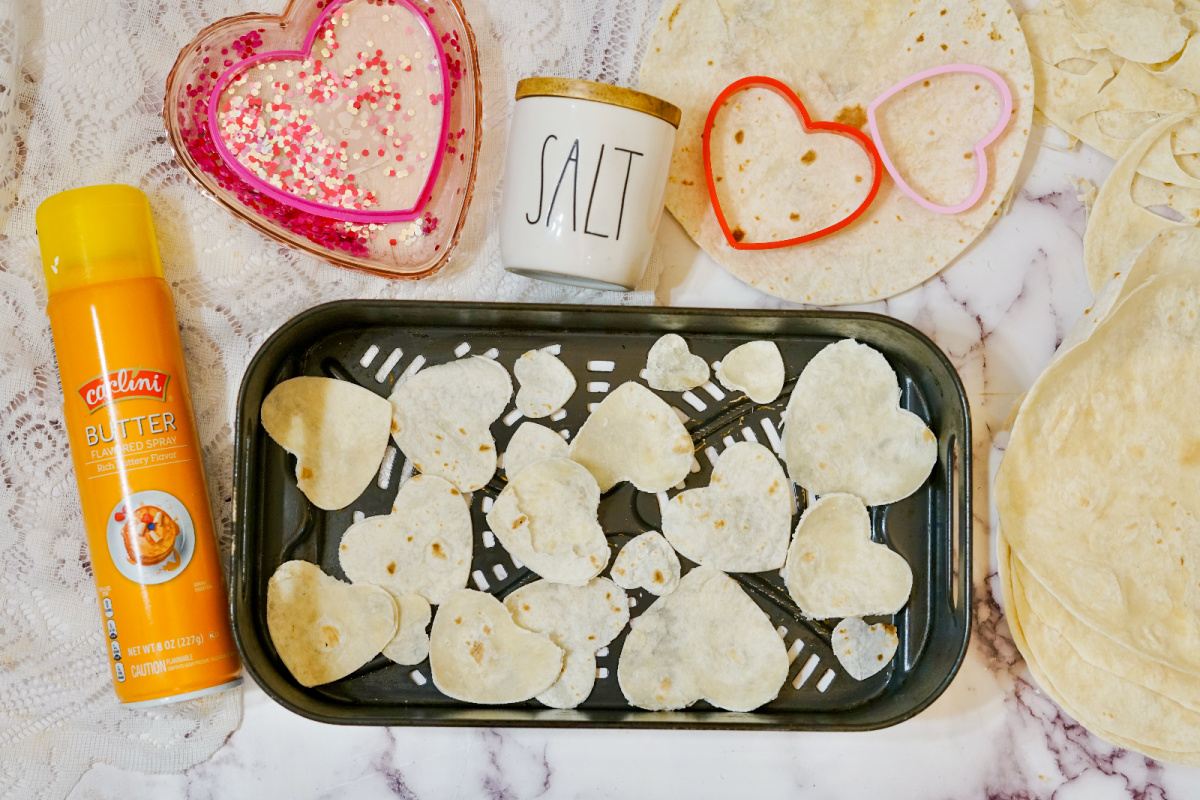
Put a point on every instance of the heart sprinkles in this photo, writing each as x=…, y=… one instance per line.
x=341, y=128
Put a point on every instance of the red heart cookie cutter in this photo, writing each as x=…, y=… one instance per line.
x=781, y=89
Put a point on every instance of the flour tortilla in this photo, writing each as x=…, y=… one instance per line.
x=580, y=620
x=634, y=436
x=532, y=442
x=337, y=431
x=546, y=384
x=706, y=640
x=671, y=367
x=477, y=654
x=838, y=57
x=833, y=568
x=647, y=562
x=324, y=629
x=441, y=419
x=1097, y=489
x=741, y=521
x=755, y=368
x=423, y=547
x=1016, y=630
x=546, y=519
x=1141, y=30
x=410, y=645
x=844, y=429
x=1136, y=712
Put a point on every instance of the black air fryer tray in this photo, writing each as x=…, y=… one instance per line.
x=274, y=522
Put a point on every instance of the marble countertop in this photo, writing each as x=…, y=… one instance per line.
x=999, y=311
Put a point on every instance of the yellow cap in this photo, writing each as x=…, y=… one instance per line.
x=96, y=234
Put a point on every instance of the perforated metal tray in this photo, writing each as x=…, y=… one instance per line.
x=375, y=343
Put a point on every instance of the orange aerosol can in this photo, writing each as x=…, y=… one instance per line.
x=128, y=415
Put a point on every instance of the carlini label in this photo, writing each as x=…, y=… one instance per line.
x=124, y=384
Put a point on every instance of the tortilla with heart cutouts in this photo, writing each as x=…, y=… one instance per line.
x=324, y=629
x=707, y=640
x=337, y=431
x=838, y=57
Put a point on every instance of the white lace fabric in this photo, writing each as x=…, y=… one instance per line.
x=81, y=84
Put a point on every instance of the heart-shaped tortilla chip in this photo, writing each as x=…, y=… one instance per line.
x=532, y=442
x=324, y=629
x=580, y=620
x=647, y=562
x=835, y=570
x=336, y=430
x=863, y=649
x=442, y=417
x=844, y=429
x=634, y=436
x=742, y=520
x=410, y=645
x=423, y=547
x=546, y=384
x=477, y=654
x=671, y=367
x=707, y=640
x=755, y=368
x=546, y=519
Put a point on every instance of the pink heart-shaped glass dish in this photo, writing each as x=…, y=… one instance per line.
x=981, y=168
x=361, y=154
x=348, y=126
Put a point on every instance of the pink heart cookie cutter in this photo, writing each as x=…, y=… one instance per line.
x=1006, y=102
x=322, y=209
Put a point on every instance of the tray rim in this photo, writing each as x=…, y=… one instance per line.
x=320, y=710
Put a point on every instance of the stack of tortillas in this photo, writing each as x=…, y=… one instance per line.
x=782, y=183
x=1099, y=496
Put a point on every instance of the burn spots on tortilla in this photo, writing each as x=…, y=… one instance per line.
x=926, y=83
x=921, y=38
x=808, y=157
x=671, y=19
x=858, y=178
x=305, y=473
x=477, y=652
x=738, y=234
x=739, y=137
x=438, y=552
x=855, y=116
x=793, y=216
x=391, y=568
x=945, y=47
